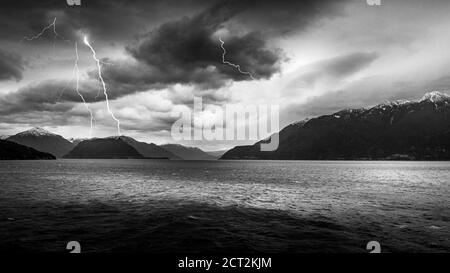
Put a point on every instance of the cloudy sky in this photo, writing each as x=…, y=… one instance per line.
x=309, y=57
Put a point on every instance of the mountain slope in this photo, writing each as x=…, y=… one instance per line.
x=13, y=151
x=44, y=141
x=149, y=150
x=104, y=148
x=187, y=153
x=216, y=154
x=394, y=130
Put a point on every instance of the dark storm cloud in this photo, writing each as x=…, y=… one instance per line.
x=175, y=49
x=11, y=66
x=119, y=19
x=194, y=59
x=178, y=50
x=106, y=20
x=188, y=50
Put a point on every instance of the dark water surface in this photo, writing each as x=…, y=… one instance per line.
x=224, y=206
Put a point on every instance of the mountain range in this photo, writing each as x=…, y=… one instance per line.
x=111, y=147
x=411, y=130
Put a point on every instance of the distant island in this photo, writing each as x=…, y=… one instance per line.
x=397, y=130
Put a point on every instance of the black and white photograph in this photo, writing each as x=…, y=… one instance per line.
x=234, y=128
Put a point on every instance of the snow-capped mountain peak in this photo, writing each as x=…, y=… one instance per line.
x=400, y=102
x=37, y=131
x=435, y=97
x=393, y=103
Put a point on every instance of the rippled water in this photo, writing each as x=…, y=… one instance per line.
x=224, y=206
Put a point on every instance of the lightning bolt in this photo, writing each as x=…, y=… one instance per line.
x=76, y=68
x=77, y=71
x=105, y=91
x=238, y=67
x=37, y=36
